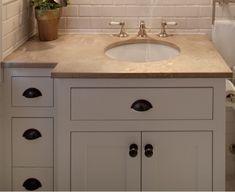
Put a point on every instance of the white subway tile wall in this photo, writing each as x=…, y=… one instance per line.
x=17, y=24
x=95, y=15
x=193, y=16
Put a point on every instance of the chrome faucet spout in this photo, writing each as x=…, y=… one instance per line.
x=142, y=30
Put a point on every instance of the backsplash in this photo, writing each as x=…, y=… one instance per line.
x=17, y=24
x=94, y=15
x=192, y=16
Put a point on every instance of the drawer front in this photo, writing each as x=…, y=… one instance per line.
x=32, y=140
x=32, y=91
x=141, y=103
x=26, y=179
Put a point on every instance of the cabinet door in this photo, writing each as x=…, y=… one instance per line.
x=179, y=161
x=101, y=161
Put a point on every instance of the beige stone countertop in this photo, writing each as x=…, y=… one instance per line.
x=82, y=56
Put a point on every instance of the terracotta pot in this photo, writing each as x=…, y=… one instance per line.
x=48, y=21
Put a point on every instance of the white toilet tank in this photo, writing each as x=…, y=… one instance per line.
x=223, y=36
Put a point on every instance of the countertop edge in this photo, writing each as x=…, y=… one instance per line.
x=141, y=75
x=16, y=64
x=54, y=74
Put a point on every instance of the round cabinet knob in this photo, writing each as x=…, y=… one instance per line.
x=141, y=105
x=32, y=184
x=32, y=93
x=133, y=150
x=32, y=134
x=148, y=150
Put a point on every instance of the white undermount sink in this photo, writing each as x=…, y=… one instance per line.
x=142, y=50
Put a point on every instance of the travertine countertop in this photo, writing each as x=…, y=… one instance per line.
x=83, y=56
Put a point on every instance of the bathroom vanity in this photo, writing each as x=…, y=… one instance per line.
x=78, y=120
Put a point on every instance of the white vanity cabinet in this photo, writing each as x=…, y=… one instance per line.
x=140, y=134
x=28, y=129
x=113, y=134
x=127, y=161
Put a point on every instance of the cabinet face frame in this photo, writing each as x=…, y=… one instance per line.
x=65, y=126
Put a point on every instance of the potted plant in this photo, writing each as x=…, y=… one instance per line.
x=47, y=13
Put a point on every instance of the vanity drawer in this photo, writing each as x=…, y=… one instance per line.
x=25, y=179
x=32, y=142
x=163, y=103
x=32, y=91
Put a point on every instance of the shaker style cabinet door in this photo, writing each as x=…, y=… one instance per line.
x=177, y=161
x=105, y=161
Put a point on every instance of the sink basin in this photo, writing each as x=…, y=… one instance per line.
x=142, y=50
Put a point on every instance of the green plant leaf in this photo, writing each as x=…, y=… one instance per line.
x=45, y=4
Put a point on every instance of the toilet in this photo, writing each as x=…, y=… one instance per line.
x=223, y=37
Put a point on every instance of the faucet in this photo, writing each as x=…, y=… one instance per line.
x=163, y=32
x=142, y=30
x=122, y=32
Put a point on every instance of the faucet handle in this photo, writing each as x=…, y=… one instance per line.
x=163, y=32
x=122, y=32
x=116, y=23
x=170, y=23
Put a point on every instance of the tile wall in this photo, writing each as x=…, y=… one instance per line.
x=17, y=24
x=94, y=15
